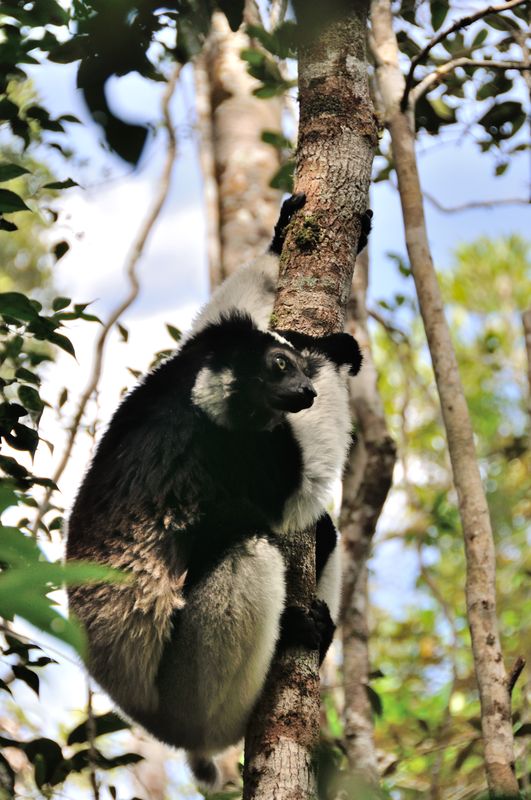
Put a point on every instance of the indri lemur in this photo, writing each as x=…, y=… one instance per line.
x=225, y=448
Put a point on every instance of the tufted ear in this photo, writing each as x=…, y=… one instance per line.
x=339, y=348
x=342, y=348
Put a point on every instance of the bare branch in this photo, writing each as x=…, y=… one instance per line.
x=473, y=509
x=472, y=204
x=455, y=26
x=130, y=271
x=91, y=736
x=389, y=327
x=436, y=77
x=365, y=487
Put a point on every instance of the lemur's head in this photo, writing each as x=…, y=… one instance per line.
x=251, y=377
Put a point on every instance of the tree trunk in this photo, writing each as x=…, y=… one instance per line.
x=238, y=167
x=479, y=545
x=337, y=140
x=365, y=487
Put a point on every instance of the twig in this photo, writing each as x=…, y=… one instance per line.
x=435, y=77
x=91, y=735
x=130, y=270
x=515, y=673
x=460, y=23
x=470, y=206
x=389, y=327
x=46, y=648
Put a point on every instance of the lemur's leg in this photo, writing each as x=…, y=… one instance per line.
x=216, y=662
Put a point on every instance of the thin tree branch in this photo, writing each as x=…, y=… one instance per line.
x=388, y=326
x=44, y=646
x=477, y=530
x=515, y=673
x=435, y=77
x=460, y=23
x=131, y=273
x=91, y=736
x=470, y=206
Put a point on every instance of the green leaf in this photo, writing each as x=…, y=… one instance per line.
x=375, y=701
x=30, y=398
x=174, y=332
x=103, y=724
x=439, y=10
x=60, y=249
x=8, y=496
x=23, y=438
x=23, y=374
x=124, y=333
x=10, y=171
x=8, y=109
x=62, y=342
x=283, y=178
x=5, y=225
x=233, y=10
x=17, y=305
x=26, y=675
x=479, y=39
x=67, y=184
x=37, y=610
x=11, y=202
x=277, y=140
x=501, y=168
x=61, y=302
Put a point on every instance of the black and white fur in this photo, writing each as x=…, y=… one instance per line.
x=204, y=467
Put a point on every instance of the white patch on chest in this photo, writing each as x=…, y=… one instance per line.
x=211, y=392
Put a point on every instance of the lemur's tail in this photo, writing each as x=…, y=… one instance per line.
x=205, y=770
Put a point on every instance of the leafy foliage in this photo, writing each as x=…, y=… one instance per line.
x=430, y=718
x=135, y=27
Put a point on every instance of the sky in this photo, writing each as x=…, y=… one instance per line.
x=101, y=220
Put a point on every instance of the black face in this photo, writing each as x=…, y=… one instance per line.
x=285, y=384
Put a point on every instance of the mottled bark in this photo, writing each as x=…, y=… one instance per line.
x=237, y=165
x=337, y=139
x=479, y=545
x=365, y=488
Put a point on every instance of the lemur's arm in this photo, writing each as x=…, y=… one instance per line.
x=291, y=205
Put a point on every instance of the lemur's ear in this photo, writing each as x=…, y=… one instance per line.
x=342, y=348
x=339, y=348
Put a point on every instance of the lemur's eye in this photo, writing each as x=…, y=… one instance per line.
x=281, y=362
